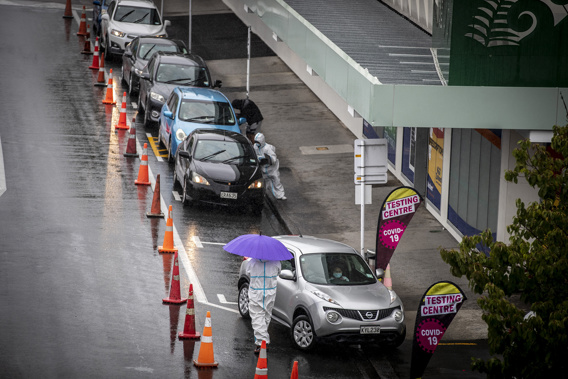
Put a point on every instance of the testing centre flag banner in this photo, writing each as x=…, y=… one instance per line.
x=396, y=213
x=438, y=307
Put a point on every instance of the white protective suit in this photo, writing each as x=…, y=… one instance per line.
x=262, y=293
x=271, y=169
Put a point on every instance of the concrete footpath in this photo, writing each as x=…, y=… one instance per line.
x=316, y=168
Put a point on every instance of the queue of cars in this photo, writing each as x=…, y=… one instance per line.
x=215, y=163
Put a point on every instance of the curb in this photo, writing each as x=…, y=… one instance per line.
x=282, y=219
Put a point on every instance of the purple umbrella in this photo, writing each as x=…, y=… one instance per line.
x=259, y=247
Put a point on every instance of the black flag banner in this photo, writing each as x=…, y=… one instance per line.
x=438, y=307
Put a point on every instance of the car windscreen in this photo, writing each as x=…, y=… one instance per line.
x=171, y=73
x=146, y=50
x=206, y=112
x=137, y=15
x=336, y=269
x=225, y=151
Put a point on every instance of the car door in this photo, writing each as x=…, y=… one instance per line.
x=172, y=106
x=145, y=84
x=284, y=304
x=183, y=164
x=128, y=59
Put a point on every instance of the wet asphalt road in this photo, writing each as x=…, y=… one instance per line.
x=81, y=280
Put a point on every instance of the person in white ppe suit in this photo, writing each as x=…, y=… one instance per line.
x=263, y=276
x=271, y=168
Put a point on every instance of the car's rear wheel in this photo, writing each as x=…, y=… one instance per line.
x=303, y=334
x=243, y=300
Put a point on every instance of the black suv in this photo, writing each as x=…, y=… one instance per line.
x=166, y=71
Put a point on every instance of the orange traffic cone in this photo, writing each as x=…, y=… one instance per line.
x=388, y=279
x=261, y=365
x=87, y=46
x=143, y=170
x=189, y=326
x=68, y=11
x=156, y=210
x=131, y=146
x=206, y=357
x=95, y=64
x=294, y=371
x=175, y=291
x=101, y=78
x=83, y=25
x=168, y=246
x=109, y=96
x=122, y=118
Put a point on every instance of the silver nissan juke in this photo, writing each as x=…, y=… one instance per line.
x=327, y=291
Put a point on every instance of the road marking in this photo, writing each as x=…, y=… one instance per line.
x=197, y=242
x=215, y=243
x=154, y=143
x=222, y=299
x=134, y=105
x=177, y=197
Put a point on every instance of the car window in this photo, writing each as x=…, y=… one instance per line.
x=147, y=49
x=182, y=74
x=137, y=15
x=207, y=112
x=289, y=264
x=134, y=47
x=110, y=8
x=350, y=269
x=225, y=151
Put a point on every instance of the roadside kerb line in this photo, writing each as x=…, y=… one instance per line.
x=186, y=269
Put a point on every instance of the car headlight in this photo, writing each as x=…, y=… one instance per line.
x=393, y=296
x=137, y=72
x=157, y=97
x=324, y=296
x=180, y=134
x=196, y=178
x=257, y=184
x=117, y=33
x=398, y=316
x=333, y=317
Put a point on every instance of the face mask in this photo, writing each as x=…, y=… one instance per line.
x=337, y=274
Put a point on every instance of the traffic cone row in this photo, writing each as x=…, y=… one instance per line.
x=143, y=171
x=68, y=11
x=189, y=325
x=109, y=97
x=131, y=147
x=87, y=46
x=95, y=64
x=261, y=365
x=175, y=288
x=156, y=209
x=168, y=246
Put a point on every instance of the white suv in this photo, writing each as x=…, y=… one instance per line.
x=125, y=20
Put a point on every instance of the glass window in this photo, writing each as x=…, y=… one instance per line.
x=207, y=112
x=226, y=151
x=289, y=264
x=182, y=74
x=137, y=15
x=349, y=269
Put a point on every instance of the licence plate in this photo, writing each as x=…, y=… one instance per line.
x=228, y=195
x=370, y=330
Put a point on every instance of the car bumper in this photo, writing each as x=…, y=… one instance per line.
x=212, y=194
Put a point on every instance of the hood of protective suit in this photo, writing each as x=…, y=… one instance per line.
x=259, y=137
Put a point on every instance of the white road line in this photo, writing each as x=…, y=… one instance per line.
x=134, y=105
x=176, y=196
x=215, y=243
x=197, y=242
x=222, y=299
x=423, y=72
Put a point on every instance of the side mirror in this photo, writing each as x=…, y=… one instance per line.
x=242, y=120
x=167, y=23
x=184, y=154
x=380, y=273
x=169, y=115
x=287, y=275
x=217, y=84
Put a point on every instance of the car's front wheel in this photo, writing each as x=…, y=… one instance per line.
x=243, y=300
x=108, y=54
x=303, y=333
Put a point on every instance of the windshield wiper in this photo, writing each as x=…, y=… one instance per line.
x=140, y=19
x=212, y=155
x=200, y=118
x=233, y=158
x=148, y=52
x=190, y=81
x=126, y=15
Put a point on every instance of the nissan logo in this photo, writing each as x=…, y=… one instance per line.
x=369, y=315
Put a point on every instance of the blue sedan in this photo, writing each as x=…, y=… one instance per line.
x=190, y=108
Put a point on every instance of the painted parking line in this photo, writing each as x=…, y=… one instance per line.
x=223, y=300
x=154, y=144
x=176, y=195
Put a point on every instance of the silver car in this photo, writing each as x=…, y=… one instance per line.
x=352, y=307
